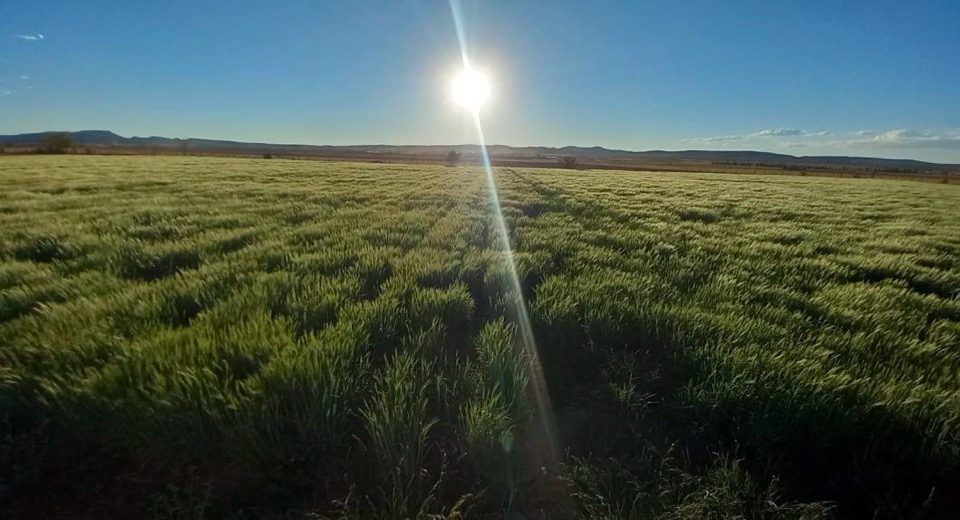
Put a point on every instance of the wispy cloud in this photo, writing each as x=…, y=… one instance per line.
x=903, y=138
x=717, y=139
x=24, y=77
x=31, y=37
x=768, y=132
x=4, y=92
x=778, y=132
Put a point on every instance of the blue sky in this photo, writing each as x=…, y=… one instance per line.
x=878, y=78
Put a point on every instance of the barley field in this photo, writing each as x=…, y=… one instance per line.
x=188, y=337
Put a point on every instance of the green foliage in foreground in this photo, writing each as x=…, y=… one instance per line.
x=208, y=338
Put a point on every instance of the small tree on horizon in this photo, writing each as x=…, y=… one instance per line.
x=59, y=142
x=568, y=161
x=453, y=158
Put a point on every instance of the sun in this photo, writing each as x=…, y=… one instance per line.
x=470, y=89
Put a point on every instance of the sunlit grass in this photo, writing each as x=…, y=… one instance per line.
x=343, y=339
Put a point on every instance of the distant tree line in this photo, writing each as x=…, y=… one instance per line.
x=824, y=167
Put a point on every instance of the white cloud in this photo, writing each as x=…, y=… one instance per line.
x=766, y=133
x=904, y=138
x=32, y=37
x=778, y=132
x=24, y=77
x=920, y=143
x=5, y=92
x=897, y=139
x=717, y=139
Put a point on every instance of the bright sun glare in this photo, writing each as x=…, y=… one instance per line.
x=470, y=89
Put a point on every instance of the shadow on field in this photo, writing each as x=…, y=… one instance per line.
x=652, y=428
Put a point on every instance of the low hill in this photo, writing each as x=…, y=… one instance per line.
x=500, y=153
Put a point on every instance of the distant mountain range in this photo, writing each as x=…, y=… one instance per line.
x=596, y=154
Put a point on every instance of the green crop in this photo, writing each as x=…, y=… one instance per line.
x=204, y=337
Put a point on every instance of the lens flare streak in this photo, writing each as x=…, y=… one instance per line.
x=539, y=390
x=539, y=393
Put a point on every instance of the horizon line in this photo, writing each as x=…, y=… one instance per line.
x=454, y=145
